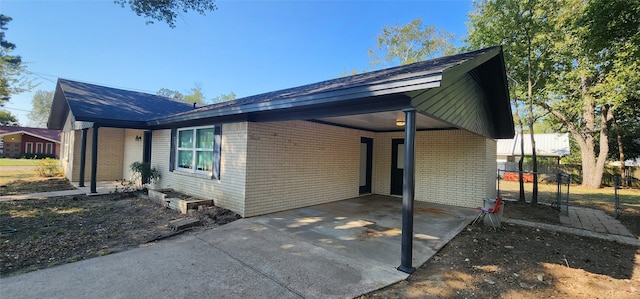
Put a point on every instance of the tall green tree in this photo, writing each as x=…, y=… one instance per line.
x=524, y=28
x=167, y=10
x=8, y=119
x=596, y=67
x=409, y=43
x=12, y=71
x=40, y=108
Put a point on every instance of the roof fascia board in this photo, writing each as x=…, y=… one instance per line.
x=79, y=125
x=361, y=106
x=110, y=123
x=431, y=81
x=463, y=68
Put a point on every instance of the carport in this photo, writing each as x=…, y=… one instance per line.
x=461, y=92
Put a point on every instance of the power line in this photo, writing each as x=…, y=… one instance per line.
x=16, y=109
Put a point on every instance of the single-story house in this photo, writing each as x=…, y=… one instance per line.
x=17, y=142
x=423, y=131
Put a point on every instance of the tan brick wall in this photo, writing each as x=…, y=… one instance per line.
x=229, y=191
x=269, y=167
x=110, y=154
x=133, y=151
x=297, y=163
x=453, y=167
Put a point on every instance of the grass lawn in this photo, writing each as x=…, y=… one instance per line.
x=18, y=162
x=601, y=199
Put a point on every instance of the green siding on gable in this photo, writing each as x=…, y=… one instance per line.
x=460, y=102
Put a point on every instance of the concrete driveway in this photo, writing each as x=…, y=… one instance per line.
x=337, y=250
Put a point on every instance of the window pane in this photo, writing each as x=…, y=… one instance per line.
x=204, y=161
x=204, y=138
x=185, y=138
x=185, y=159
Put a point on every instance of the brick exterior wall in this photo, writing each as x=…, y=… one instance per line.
x=110, y=155
x=229, y=191
x=453, y=167
x=297, y=163
x=276, y=166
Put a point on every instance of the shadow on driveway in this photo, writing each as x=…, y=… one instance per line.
x=336, y=250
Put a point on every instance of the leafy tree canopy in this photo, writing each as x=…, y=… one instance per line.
x=167, y=10
x=224, y=97
x=410, y=43
x=41, y=108
x=196, y=95
x=12, y=79
x=168, y=93
x=8, y=119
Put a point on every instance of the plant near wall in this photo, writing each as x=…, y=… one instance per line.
x=144, y=173
x=48, y=168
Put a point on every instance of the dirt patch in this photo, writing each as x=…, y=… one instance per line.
x=524, y=262
x=36, y=234
x=35, y=186
x=531, y=212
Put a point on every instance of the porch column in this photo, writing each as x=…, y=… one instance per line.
x=408, y=191
x=83, y=156
x=94, y=157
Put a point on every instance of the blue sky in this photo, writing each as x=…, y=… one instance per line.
x=248, y=47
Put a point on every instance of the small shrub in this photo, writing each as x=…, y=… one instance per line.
x=48, y=168
x=143, y=173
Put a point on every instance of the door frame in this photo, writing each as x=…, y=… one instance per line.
x=397, y=175
x=369, y=168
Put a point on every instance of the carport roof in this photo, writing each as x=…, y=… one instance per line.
x=473, y=97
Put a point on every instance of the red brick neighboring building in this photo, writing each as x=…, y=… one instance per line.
x=16, y=142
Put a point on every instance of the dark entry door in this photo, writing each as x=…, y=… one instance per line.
x=146, y=152
x=366, y=163
x=397, y=166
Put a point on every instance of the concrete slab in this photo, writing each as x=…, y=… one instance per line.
x=338, y=250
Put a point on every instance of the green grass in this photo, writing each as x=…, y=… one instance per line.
x=577, y=193
x=18, y=162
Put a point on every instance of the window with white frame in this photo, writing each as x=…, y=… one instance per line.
x=39, y=147
x=28, y=148
x=194, y=151
x=49, y=148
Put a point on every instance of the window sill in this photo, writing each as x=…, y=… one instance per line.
x=192, y=174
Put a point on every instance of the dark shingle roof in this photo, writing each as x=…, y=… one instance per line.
x=95, y=103
x=38, y=132
x=385, y=76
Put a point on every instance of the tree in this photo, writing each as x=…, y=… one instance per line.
x=41, y=108
x=167, y=11
x=224, y=98
x=524, y=28
x=410, y=43
x=8, y=119
x=12, y=79
x=196, y=95
x=596, y=67
x=624, y=139
x=168, y=93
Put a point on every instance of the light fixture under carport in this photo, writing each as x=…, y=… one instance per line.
x=400, y=120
